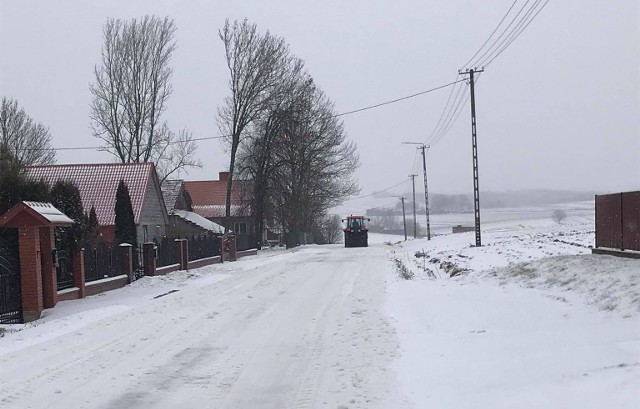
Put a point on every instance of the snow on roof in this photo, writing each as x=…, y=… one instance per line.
x=199, y=220
x=49, y=212
x=219, y=210
x=98, y=184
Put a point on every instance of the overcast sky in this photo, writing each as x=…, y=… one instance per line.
x=558, y=109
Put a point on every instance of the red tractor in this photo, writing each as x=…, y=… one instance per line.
x=356, y=233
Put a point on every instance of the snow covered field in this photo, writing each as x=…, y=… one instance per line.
x=529, y=320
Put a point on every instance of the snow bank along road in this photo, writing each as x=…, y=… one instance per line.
x=293, y=330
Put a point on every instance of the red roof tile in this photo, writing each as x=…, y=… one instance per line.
x=98, y=184
x=214, y=192
x=209, y=197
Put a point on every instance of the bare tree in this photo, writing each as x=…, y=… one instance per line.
x=130, y=92
x=256, y=64
x=559, y=215
x=255, y=158
x=176, y=155
x=22, y=140
x=329, y=229
x=316, y=163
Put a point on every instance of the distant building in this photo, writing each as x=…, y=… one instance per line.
x=462, y=229
x=183, y=221
x=209, y=199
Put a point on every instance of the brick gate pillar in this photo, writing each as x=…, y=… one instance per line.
x=221, y=244
x=232, y=248
x=149, y=258
x=78, y=273
x=30, y=273
x=49, y=276
x=183, y=248
x=126, y=253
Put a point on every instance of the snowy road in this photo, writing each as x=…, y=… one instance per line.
x=287, y=331
x=533, y=322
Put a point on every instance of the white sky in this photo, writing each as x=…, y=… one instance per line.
x=559, y=109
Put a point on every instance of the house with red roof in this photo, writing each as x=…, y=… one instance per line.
x=98, y=184
x=183, y=221
x=208, y=199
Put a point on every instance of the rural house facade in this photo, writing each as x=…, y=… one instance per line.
x=183, y=221
x=98, y=184
x=209, y=199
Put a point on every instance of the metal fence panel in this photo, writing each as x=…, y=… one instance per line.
x=102, y=261
x=245, y=242
x=167, y=252
x=203, y=247
x=10, y=293
x=609, y=221
x=630, y=221
x=64, y=269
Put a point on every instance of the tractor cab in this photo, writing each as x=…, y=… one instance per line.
x=356, y=231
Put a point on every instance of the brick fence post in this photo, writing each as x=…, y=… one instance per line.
x=221, y=244
x=149, y=258
x=78, y=273
x=232, y=248
x=183, y=245
x=126, y=252
x=30, y=273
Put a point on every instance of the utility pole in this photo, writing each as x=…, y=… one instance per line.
x=423, y=147
x=474, y=142
x=415, y=222
x=404, y=219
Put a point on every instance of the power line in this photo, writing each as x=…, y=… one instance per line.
x=396, y=100
x=443, y=110
x=379, y=191
x=104, y=148
x=393, y=101
x=453, y=119
x=492, y=33
x=501, y=34
x=507, y=36
x=451, y=116
x=514, y=37
x=459, y=96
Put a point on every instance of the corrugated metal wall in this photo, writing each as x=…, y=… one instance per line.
x=618, y=221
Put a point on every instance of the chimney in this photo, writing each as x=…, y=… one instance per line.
x=223, y=176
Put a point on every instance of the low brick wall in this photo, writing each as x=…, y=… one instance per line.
x=106, y=284
x=160, y=271
x=204, y=262
x=245, y=253
x=72, y=293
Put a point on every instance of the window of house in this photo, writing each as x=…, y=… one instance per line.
x=240, y=227
x=145, y=234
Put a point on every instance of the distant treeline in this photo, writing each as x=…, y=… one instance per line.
x=442, y=204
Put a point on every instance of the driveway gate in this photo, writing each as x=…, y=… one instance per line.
x=10, y=300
